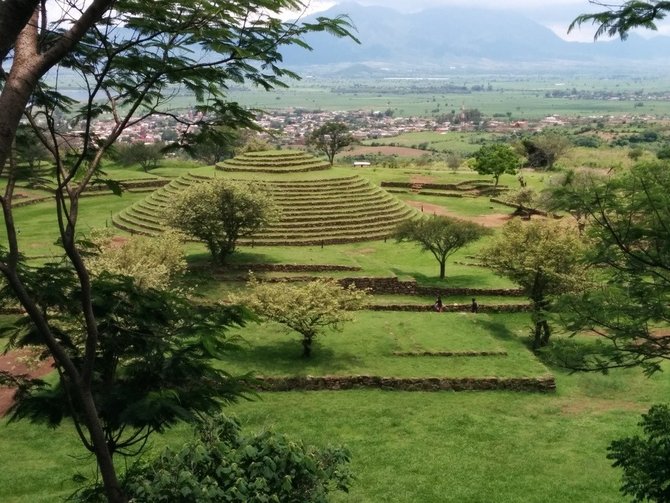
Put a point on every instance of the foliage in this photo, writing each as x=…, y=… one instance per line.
x=628, y=217
x=147, y=156
x=619, y=20
x=219, y=212
x=496, y=159
x=525, y=199
x=330, y=139
x=222, y=464
x=153, y=357
x=544, y=258
x=30, y=151
x=214, y=143
x=568, y=192
x=153, y=263
x=132, y=58
x=543, y=150
x=305, y=308
x=442, y=236
x=644, y=461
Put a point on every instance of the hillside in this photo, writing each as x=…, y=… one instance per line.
x=437, y=39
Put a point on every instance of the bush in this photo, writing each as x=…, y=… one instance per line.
x=222, y=465
x=646, y=476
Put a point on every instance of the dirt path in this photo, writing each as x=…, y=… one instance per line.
x=492, y=220
x=11, y=362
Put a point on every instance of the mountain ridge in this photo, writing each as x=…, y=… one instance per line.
x=444, y=36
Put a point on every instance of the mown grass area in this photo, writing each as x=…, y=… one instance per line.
x=37, y=224
x=406, y=446
x=366, y=347
x=375, y=258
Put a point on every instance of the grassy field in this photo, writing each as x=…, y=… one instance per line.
x=366, y=347
x=406, y=446
x=521, y=98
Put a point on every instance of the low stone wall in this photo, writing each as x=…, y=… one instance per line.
x=382, y=285
x=131, y=184
x=450, y=353
x=393, y=285
x=452, y=308
x=277, y=268
x=543, y=384
x=29, y=202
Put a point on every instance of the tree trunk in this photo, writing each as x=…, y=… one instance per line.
x=14, y=14
x=307, y=346
x=100, y=448
x=443, y=266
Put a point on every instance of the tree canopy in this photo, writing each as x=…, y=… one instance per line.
x=496, y=159
x=330, y=139
x=222, y=464
x=441, y=236
x=306, y=308
x=154, y=357
x=630, y=244
x=543, y=150
x=642, y=459
x=151, y=262
x=545, y=258
x=132, y=58
x=619, y=20
x=219, y=212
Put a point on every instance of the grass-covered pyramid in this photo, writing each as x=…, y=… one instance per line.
x=274, y=161
x=315, y=208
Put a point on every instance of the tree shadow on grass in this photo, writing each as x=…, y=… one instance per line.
x=250, y=257
x=239, y=257
x=450, y=281
x=502, y=332
x=284, y=357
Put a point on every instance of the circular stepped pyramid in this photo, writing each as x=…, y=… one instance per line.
x=274, y=161
x=313, y=212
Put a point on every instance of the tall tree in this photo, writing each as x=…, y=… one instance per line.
x=496, y=159
x=131, y=59
x=330, y=139
x=628, y=218
x=441, y=236
x=544, y=258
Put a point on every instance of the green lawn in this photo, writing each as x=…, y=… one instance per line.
x=37, y=225
x=366, y=347
x=406, y=446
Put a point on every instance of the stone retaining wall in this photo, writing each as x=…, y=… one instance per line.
x=543, y=384
x=452, y=308
x=278, y=268
x=393, y=285
x=450, y=353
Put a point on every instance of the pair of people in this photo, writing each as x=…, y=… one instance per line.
x=439, y=305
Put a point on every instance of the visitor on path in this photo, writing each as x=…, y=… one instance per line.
x=438, y=304
x=475, y=307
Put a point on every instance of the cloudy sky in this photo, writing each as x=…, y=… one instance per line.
x=555, y=14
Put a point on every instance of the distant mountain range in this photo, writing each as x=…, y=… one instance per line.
x=453, y=37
